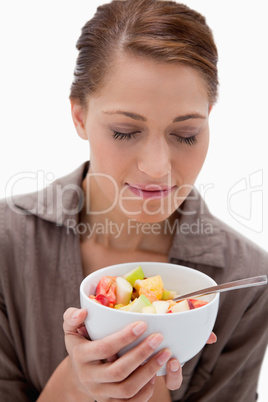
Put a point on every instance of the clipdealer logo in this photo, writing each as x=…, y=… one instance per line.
x=245, y=201
x=199, y=226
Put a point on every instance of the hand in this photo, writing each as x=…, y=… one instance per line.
x=100, y=374
x=212, y=339
x=173, y=381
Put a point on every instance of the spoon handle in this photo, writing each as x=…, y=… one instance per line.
x=242, y=283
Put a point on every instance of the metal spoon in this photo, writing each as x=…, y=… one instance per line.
x=242, y=283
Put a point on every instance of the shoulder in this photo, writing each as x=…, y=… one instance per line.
x=205, y=242
x=12, y=223
x=54, y=204
x=21, y=233
x=30, y=223
x=241, y=254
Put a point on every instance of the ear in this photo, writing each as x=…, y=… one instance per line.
x=79, y=119
x=210, y=108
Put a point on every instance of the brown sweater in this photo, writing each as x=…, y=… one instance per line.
x=40, y=274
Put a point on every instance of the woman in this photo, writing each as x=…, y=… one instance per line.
x=145, y=84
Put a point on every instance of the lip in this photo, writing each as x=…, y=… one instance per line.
x=150, y=191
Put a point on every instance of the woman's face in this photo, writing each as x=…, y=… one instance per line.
x=148, y=133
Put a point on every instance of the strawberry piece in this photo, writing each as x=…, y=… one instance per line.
x=107, y=288
x=198, y=303
x=102, y=300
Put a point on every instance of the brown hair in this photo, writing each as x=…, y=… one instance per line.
x=161, y=30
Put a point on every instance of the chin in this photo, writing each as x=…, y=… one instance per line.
x=153, y=212
x=149, y=218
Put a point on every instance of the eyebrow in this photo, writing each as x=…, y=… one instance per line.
x=142, y=118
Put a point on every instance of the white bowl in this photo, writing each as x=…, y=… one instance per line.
x=185, y=333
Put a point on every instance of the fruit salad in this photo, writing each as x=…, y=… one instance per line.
x=134, y=293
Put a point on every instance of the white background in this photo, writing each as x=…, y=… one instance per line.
x=37, y=134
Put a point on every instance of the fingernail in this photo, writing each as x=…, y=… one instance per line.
x=76, y=314
x=164, y=357
x=215, y=338
x=152, y=380
x=139, y=328
x=155, y=340
x=174, y=366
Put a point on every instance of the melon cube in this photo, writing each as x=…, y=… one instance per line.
x=134, y=274
x=137, y=305
x=148, y=310
x=123, y=291
x=161, y=306
x=153, y=284
x=180, y=306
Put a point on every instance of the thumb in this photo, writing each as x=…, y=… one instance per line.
x=73, y=321
x=73, y=318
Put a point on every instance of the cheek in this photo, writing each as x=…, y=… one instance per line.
x=200, y=156
x=109, y=158
x=190, y=162
x=100, y=152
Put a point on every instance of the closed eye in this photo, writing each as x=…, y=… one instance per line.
x=117, y=135
x=186, y=140
x=124, y=136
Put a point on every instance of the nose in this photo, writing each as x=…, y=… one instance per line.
x=154, y=159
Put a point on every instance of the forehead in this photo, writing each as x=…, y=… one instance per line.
x=141, y=82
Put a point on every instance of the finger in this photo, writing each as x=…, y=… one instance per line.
x=174, y=374
x=109, y=346
x=130, y=361
x=73, y=319
x=112, y=359
x=131, y=385
x=144, y=394
x=83, y=331
x=212, y=338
